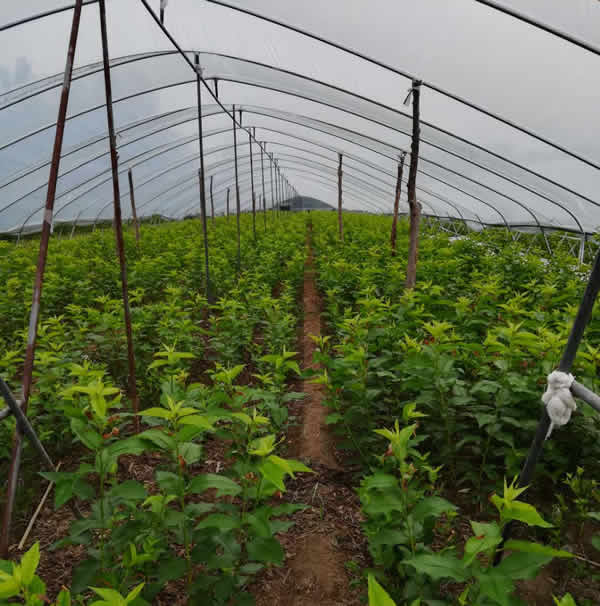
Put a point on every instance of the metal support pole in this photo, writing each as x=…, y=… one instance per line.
x=415, y=210
x=237, y=195
x=397, y=203
x=252, y=186
x=272, y=188
x=262, y=168
x=133, y=210
x=582, y=249
x=228, y=202
x=201, y=178
x=212, y=201
x=340, y=220
x=216, y=80
x=582, y=319
x=114, y=158
x=34, y=314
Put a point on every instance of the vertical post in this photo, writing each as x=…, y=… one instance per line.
x=252, y=185
x=216, y=80
x=163, y=5
x=237, y=194
x=262, y=168
x=212, y=202
x=582, y=249
x=340, y=220
x=272, y=188
x=15, y=464
x=415, y=209
x=397, y=203
x=114, y=158
x=228, y=202
x=133, y=210
x=201, y=177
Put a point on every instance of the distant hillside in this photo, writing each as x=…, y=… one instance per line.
x=307, y=203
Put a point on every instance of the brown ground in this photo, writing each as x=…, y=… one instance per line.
x=327, y=535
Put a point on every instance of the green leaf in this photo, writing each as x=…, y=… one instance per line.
x=171, y=569
x=438, y=566
x=333, y=418
x=197, y=421
x=487, y=536
x=378, y=596
x=87, y=436
x=523, y=512
x=528, y=547
x=566, y=600
x=266, y=550
x=273, y=473
x=158, y=438
x=225, y=486
x=111, y=597
x=8, y=588
x=129, y=490
x=431, y=507
x=219, y=520
x=29, y=563
x=169, y=482
x=159, y=413
x=595, y=540
x=521, y=565
x=190, y=452
x=496, y=587
x=134, y=593
x=64, y=598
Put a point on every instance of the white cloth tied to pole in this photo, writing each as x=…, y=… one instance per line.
x=558, y=399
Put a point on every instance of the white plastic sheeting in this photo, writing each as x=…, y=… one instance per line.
x=309, y=101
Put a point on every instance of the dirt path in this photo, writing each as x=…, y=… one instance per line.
x=327, y=535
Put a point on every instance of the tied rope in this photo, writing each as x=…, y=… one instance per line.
x=558, y=399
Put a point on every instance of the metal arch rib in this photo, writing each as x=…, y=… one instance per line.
x=144, y=56
x=49, y=13
x=404, y=74
x=138, y=123
x=329, y=134
x=535, y=23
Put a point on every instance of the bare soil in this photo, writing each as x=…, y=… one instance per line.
x=327, y=535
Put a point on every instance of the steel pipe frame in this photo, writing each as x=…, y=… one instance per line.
x=378, y=151
x=411, y=77
x=187, y=60
x=133, y=58
x=187, y=141
x=137, y=123
x=287, y=119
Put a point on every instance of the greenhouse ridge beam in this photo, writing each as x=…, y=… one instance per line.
x=535, y=23
x=404, y=74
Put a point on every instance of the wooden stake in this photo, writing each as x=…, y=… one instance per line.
x=133, y=210
x=340, y=221
x=397, y=203
x=118, y=226
x=415, y=208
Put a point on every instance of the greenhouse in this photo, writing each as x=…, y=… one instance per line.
x=298, y=302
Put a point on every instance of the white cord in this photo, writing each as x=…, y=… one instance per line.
x=558, y=399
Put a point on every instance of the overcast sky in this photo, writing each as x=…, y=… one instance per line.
x=510, y=68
